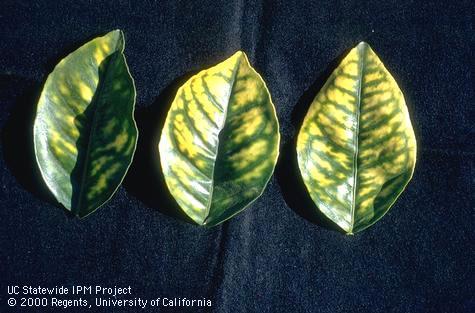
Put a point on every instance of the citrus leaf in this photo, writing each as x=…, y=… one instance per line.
x=220, y=140
x=84, y=131
x=356, y=148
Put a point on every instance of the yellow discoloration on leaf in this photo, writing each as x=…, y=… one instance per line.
x=268, y=129
x=371, y=77
x=323, y=163
x=339, y=96
x=185, y=140
x=61, y=146
x=101, y=183
x=222, y=118
x=208, y=107
x=72, y=132
x=318, y=145
x=200, y=119
x=302, y=142
x=220, y=91
x=249, y=124
x=253, y=173
x=109, y=128
x=71, y=148
x=58, y=152
x=313, y=130
x=351, y=68
x=70, y=120
x=244, y=98
x=345, y=82
x=255, y=149
x=318, y=176
x=85, y=92
x=359, y=122
x=179, y=104
x=201, y=164
x=99, y=56
x=63, y=88
x=120, y=141
x=106, y=47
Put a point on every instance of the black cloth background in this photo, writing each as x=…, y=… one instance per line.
x=272, y=257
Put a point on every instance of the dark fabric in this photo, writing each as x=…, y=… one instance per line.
x=274, y=257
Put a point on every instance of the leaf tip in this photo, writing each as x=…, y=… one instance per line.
x=238, y=55
x=116, y=32
x=118, y=36
x=363, y=44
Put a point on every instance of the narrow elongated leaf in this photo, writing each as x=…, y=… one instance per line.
x=356, y=148
x=219, y=144
x=84, y=132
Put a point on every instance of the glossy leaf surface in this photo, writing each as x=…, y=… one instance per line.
x=219, y=144
x=84, y=131
x=356, y=148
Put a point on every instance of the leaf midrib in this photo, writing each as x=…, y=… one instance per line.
x=361, y=61
x=225, y=113
x=95, y=99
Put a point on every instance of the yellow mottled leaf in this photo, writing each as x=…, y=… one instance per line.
x=220, y=141
x=356, y=148
x=84, y=130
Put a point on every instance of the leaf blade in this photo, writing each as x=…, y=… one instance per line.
x=86, y=93
x=208, y=130
x=356, y=148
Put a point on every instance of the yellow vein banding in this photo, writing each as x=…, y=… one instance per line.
x=359, y=115
x=236, y=121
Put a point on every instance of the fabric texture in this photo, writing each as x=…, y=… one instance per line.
x=275, y=256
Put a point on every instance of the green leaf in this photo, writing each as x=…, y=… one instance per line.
x=356, y=148
x=220, y=141
x=84, y=131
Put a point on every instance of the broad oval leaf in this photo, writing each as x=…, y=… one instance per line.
x=220, y=141
x=356, y=148
x=84, y=131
